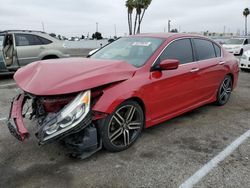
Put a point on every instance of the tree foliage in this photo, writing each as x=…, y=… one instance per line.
x=246, y=12
x=97, y=36
x=140, y=6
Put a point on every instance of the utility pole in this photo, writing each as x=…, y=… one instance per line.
x=96, y=26
x=169, y=26
x=246, y=26
x=43, y=26
x=115, y=29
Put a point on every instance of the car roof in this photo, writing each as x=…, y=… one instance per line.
x=168, y=35
x=21, y=31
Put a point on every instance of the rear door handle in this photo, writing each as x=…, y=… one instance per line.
x=194, y=69
x=222, y=62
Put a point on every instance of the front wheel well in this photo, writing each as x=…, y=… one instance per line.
x=141, y=103
x=232, y=76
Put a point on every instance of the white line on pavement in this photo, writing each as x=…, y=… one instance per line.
x=7, y=85
x=203, y=171
x=3, y=119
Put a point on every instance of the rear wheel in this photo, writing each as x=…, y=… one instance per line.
x=122, y=128
x=224, y=91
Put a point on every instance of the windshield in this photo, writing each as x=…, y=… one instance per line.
x=134, y=50
x=234, y=41
x=1, y=40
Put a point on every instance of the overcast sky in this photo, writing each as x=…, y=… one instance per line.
x=76, y=17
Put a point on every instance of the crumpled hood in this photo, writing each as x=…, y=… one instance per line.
x=63, y=76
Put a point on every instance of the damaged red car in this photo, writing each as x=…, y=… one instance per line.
x=133, y=83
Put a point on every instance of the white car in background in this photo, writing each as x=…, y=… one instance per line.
x=237, y=46
x=245, y=60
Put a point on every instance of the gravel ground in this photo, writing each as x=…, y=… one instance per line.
x=165, y=155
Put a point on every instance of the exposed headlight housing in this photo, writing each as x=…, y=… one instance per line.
x=70, y=116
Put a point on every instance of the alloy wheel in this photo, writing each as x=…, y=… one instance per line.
x=125, y=125
x=225, y=90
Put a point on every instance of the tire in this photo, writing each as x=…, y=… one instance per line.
x=241, y=52
x=50, y=57
x=122, y=128
x=224, y=91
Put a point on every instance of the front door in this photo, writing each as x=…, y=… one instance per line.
x=173, y=91
x=9, y=52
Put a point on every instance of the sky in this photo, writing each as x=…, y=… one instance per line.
x=79, y=17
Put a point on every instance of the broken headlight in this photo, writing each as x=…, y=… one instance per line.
x=71, y=115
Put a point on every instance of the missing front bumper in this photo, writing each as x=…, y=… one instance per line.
x=18, y=130
x=83, y=140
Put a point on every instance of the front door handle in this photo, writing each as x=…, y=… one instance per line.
x=194, y=69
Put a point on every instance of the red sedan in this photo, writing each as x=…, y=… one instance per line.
x=133, y=83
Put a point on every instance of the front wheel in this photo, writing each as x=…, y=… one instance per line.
x=224, y=91
x=241, y=52
x=122, y=128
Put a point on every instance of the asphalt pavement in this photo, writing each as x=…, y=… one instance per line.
x=166, y=155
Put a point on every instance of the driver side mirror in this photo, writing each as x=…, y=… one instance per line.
x=169, y=64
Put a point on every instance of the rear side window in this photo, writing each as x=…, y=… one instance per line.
x=204, y=49
x=29, y=40
x=44, y=41
x=217, y=50
x=180, y=49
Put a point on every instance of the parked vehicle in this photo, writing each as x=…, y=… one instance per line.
x=133, y=83
x=237, y=46
x=245, y=60
x=20, y=48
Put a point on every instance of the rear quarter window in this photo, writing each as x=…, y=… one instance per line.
x=217, y=50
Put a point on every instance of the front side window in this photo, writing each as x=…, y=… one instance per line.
x=204, y=49
x=180, y=49
x=27, y=40
x=134, y=50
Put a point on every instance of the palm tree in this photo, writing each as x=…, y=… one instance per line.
x=130, y=6
x=246, y=12
x=143, y=4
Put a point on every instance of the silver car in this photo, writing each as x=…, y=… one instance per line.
x=20, y=48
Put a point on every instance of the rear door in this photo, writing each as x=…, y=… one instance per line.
x=174, y=90
x=28, y=47
x=211, y=73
